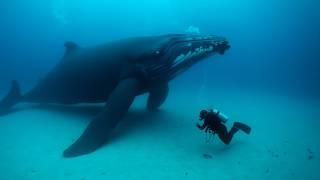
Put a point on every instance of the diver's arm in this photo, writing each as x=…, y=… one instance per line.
x=201, y=127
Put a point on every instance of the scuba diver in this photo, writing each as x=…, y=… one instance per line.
x=214, y=123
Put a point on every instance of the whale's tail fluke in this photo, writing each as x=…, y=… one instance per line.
x=12, y=98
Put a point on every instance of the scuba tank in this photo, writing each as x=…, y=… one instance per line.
x=224, y=118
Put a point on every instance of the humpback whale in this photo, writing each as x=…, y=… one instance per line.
x=115, y=73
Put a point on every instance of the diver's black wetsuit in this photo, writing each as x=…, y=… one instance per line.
x=212, y=122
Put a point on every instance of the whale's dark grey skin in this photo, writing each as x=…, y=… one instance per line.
x=116, y=73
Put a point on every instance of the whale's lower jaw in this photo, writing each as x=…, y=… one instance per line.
x=185, y=54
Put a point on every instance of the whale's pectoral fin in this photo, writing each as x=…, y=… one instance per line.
x=157, y=96
x=98, y=131
x=12, y=98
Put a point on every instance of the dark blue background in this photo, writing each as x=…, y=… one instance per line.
x=275, y=44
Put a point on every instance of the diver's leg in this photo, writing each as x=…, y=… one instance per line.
x=224, y=135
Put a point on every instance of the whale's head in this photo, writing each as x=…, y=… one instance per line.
x=165, y=57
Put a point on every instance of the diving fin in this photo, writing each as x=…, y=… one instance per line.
x=243, y=127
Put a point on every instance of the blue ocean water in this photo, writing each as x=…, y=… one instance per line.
x=270, y=78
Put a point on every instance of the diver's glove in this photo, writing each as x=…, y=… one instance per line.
x=201, y=127
x=198, y=125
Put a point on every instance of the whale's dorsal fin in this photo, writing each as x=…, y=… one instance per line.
x=71, y=47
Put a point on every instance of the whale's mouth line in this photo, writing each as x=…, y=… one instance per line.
x=190, y=42
x=193, y=47
x=194, y=52
x=183, y=52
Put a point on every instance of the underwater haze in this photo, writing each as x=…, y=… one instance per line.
x=268, y=79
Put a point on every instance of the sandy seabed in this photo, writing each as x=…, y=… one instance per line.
x=284, y=143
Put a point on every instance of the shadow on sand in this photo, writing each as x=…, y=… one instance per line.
x=136, y=120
